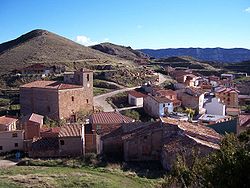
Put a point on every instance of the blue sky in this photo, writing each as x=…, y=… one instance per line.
x=136, y=23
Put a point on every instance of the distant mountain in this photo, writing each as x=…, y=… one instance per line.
x=41, y=46
x=204, y=54
x=120, y=51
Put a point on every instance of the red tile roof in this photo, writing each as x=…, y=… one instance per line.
x=244, y=120
x=109, y=118
x=50, y=85
x=136, y=94
x=227, y=90
x=5, y=120
x=72, y=130
x=160, y=99
x=33, y=117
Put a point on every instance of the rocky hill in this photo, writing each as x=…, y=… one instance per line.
x=41, y=46
x=121, y=51
x=204, y=54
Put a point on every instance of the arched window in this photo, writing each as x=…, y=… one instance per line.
x=72, y=98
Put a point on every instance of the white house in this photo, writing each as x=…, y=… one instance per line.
x=215, y=107
x=157, y=106
x=135, y=98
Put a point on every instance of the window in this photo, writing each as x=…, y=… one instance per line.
x=87, y=101
x=1, y=147
x=16, y=145
x=88, y=77
x=163, y=105
x=72, y=98
x=14, y=135
x=61, y=142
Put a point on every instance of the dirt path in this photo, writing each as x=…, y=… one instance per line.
x=6, y=163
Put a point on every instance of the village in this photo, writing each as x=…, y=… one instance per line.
x=195, y=112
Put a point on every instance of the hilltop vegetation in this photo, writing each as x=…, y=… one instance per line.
x=41, y=46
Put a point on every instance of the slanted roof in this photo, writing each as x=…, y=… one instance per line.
x=36, y=118
x=109, y=118
x=244, y=120
x=136, y=94
x=226, y=90
x=50, y=85
x=6, y=120
x=161, y=99
x=199, y=133
x=72, y=130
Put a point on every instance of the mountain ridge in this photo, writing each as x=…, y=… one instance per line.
x=224, y=55
x=41, y=46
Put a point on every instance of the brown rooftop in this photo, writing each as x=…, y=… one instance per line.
x=161, y=99
x=33, y=117
x=109, y=118
x=136, y=94
x=72, y=130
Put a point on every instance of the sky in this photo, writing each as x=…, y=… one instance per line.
x=137, y=23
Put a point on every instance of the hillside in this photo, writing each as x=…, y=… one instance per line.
x=43, y=46
x=120, y=51
x=188, y=62
x=204, y=54
x=239, y=67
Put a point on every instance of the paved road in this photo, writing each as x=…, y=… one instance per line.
x=100, y=100
x=6, y=163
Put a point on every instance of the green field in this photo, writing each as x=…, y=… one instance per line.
x=39, y=177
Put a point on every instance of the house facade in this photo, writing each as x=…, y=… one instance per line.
x=11, y=140
x=228, y=96
x=58, y=100
x=192, y=98
x=159, y=141
x=157, y=106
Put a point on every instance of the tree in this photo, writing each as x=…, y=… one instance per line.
x=190, y=113
x=227, y=167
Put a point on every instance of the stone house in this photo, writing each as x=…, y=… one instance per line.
x=215, y=107
x=192, y=98
x=101, y=124
x=31, y=125
x=8, y=123
x=159, y=141
x=135, y=98
x=157, y=106
x=71, y=140
x=11, y=140
x=228, y=96
x=65, y=141
x=58, y=100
